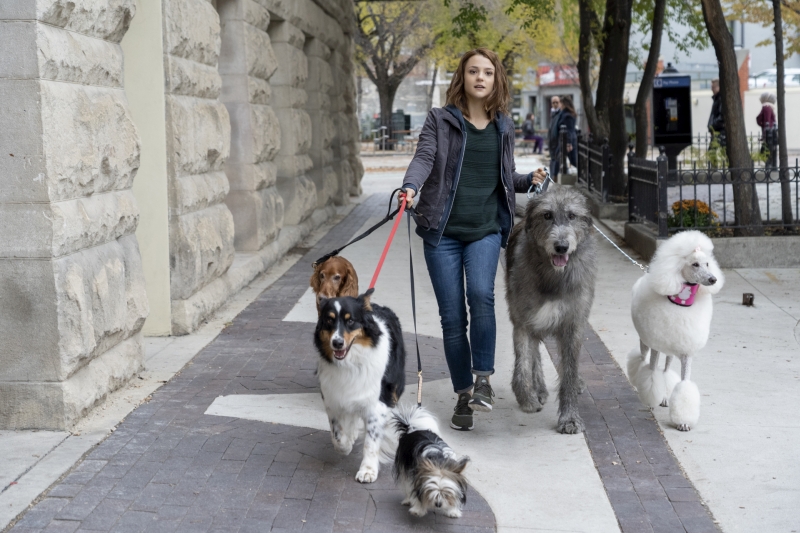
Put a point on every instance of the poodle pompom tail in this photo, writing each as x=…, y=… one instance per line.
x=651, y=386
x=684, y=405
x=634, y=360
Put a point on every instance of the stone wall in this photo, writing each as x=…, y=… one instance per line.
x=252, y=143
x=72, y=298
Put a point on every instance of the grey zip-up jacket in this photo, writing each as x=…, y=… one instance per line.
x=437, y=167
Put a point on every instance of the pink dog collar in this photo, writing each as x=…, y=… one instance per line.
x=685, y=298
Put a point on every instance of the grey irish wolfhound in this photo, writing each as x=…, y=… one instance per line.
x=550, y=277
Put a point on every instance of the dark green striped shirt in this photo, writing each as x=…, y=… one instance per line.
x=474, y=214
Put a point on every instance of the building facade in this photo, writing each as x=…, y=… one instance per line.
x=157, y=155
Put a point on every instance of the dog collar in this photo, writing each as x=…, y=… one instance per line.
x=685, y=297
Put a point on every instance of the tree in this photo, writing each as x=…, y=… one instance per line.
x=649, y=20
x=745, y=200
x=766, y=13
x=786, y=189
x=646, y=85
x=392, y=38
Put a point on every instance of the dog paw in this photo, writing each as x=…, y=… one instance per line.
x=343, y=448
x=366, y=475
x=453, y=513
x=581, y=386
x=664, y=403
x=683, y=427
x=571, y=425
x=533, y=406
x=418, y=510
x=407, y=501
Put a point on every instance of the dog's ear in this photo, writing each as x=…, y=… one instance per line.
x=350, y=283
x=315, y=282
x=320, y=303
x=461, y=464
x=364, y=299
x=713, y=267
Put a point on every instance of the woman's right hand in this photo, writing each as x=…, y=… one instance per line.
x=409, y=197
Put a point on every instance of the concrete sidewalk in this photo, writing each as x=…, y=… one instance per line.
x=236, y=441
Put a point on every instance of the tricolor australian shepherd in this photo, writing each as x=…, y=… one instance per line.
x=361, y=373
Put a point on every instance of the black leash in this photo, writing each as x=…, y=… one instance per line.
x=389, y=216
x=414, y=314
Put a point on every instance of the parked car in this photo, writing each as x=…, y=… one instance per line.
x=769, y=78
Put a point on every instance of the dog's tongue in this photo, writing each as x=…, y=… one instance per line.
x=560, y=260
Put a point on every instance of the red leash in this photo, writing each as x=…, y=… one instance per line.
x=388, y=242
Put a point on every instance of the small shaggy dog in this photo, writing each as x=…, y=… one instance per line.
x=429, y=471
x=550, y=279
x=361, y=373
x=333, y=278
x=671, y=311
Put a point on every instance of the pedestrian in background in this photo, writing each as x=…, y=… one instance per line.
x=566, y=117
x=529, y=133
x=767, y=118
x=716, y=121
x=465, y=160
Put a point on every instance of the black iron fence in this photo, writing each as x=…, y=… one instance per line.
x=709, y=149
x=702, y=198
x=594, y=166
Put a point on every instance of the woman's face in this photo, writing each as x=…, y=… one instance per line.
x=478, y=77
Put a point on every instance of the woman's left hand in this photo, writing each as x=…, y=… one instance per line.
x=538, y=176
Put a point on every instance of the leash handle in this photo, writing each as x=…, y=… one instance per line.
x=388, y=243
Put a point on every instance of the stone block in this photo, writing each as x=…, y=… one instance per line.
x=201, y=249
x=246, y=10
x=89, y=140
x=104, y=19
x=295, y=131
x=198, y=135
x=289, y=166
x=299, y=198
x=255, y=133
x=316, y=48
x=101, y=300
x=288, y=96
x=59, y=405
x=92, y=221
x=75, y=58
x=18, y=42
x=190, y=78
x=286, y=33
x=322, y=131
x=259, y=91
x=192, y=30
x=67, y=311
x=22, y=162
x=194, y=193
x=250, y=177
x=257, y=217
x=327, y=184
x=261, y=60
x=292, y=65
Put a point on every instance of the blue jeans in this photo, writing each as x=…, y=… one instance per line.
x=448, y=265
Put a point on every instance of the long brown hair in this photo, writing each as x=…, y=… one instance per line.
x=566, y=103
x=498, y=99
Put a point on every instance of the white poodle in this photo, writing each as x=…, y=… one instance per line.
x=671, y=310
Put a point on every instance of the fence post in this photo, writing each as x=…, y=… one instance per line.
x=562, y=149
x=606, y=170
x=663, y=173
x=631, y=155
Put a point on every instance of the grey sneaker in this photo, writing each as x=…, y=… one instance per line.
x=482, y=395
x=462, y=417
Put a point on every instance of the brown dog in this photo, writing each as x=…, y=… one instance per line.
x=333, y=278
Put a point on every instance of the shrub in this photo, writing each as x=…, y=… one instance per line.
x=692, y=214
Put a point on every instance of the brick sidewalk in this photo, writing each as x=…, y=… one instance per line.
x=170, y=467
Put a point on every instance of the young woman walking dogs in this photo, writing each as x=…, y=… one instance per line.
x=465, y=161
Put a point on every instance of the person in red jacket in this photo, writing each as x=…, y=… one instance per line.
x=767, y=117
